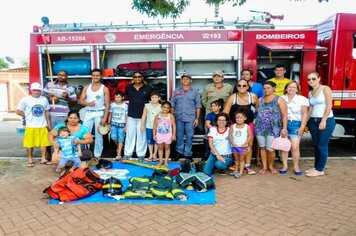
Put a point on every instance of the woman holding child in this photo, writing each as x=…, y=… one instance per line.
x=76, y=129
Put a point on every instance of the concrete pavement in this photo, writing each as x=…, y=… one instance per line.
x=253, y=205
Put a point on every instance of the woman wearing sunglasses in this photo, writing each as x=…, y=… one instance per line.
x=321, y=122
x=243, y=99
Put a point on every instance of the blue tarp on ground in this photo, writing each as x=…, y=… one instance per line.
x=194, y=197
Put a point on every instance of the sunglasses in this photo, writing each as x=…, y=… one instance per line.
x=139, y=77
x=308, y=79
x=242, y=85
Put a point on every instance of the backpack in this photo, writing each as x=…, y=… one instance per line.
x=75, y=185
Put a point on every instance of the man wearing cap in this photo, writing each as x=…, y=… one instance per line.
x=63, y=94
x=216, y=90
x=35, y=109
x=186, y=106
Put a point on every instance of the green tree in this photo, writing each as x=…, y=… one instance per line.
x=25, y=63
x=174, y=8
x=3, y=64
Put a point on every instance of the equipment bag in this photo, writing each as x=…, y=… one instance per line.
x=75, y=185
x=150, y=68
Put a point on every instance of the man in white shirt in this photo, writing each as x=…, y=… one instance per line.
x=35, y=109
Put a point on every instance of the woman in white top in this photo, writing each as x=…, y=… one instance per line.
x=220, y=146
x=297, y=112
x=321, y=122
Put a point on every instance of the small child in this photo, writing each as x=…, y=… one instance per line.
x=240, y=136
x=164, y=132
x=70, y=150
x=117, y=119
x=148, y=117
x=216, y=107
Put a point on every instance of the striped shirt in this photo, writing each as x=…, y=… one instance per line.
x=61, y=108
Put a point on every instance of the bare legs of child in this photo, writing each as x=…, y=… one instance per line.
x=239, y=165
x=166, y=148
x=153, y=149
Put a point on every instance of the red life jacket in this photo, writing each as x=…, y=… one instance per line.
x=75, y=185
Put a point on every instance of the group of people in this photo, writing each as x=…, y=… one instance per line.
x=235, y=118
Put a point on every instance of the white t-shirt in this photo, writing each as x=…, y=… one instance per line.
x=34, y=109
x=295, y=106
x=221, y=141
x=118, y=114
x=152, y=111
x=239, y=135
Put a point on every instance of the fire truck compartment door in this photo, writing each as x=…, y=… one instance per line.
x=211, y=51
x=286, y=46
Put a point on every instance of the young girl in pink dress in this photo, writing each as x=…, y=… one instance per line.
x=164, y=132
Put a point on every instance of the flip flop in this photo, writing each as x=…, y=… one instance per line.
x=283, y=172
x=273, y=171
x=298, y=172
x=262, y=171
x=43, y=162
x=30, y=164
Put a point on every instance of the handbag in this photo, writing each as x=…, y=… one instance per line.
x=283, y=144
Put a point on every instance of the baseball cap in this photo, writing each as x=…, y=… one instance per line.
x=186, y=75
x=218, y=72
x=36, y=86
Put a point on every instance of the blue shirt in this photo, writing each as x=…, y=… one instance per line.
x=257, y=89
x=211, y=117
x=185, y=104
x=83, y=130
x=68, y=147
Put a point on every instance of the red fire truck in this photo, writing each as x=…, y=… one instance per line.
x=200, y=48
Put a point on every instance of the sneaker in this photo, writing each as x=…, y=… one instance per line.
x=309, y=170
x=127, y=158
x=249, y=171
x=141, y=159
x=315, y=173
x=236, y=174
x=222, y=172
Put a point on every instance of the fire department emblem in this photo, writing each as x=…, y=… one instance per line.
x=110, y=37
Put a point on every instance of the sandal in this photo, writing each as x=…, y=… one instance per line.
x=118, y=158
x=262, y=171
x=273, y=171
x=250, y=171
x=30, y=164
x=155, y=159
x=44, y=162
x=150, y=159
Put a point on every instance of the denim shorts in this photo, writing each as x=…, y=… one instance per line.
x=293, y=127
x=149, y=136
x=76, y=161
x=117, y=133
x=239, y=150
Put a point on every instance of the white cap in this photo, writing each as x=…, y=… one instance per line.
x=36, y=86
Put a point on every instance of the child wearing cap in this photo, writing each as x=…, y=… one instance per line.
x=35, y=109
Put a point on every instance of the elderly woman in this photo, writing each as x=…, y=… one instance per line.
x=271, y=122
x=297, y=112
x=321, y=122
x=76, y=129
x=242, y=99
x=220, y=146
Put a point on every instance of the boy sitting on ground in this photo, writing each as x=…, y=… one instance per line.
x=70, y=150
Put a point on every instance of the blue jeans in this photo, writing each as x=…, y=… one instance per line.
x=321, y=140
x=186, y=128
x=213, y=162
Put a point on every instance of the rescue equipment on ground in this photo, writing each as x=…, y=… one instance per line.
x=75, y=185
x=172, y=172
x=159, y=186
x=104, y=164
x=200, y=181
x=112, y=186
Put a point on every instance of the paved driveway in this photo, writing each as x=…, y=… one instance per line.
x=254, y=205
